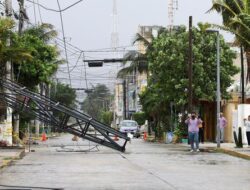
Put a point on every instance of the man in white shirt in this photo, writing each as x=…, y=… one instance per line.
x=247, y=125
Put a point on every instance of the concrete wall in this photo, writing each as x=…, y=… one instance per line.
x=228, y=111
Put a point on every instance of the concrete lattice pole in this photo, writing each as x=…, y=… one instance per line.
x=9, y=111
x=16, y=121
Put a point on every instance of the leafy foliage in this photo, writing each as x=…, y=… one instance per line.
x=139, y=117
x=168, y=65
x=45, y=56
x=63, y=93
x=181, y=131
x=97, y=101
x=236, y=19
x=168, y=80
x=10, y=51
x=107, y=117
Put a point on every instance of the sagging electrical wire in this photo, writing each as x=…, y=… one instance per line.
x=76, y=63
x=54, y=10
x=39, y=11
x=99, y=50
x=34, y=7
x=65, y=46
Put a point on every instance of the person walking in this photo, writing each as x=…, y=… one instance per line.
x=247, y=125
x=193, y=131
x=223, y=124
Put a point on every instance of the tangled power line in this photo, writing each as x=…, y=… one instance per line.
x=54, y=10
x=73, y=54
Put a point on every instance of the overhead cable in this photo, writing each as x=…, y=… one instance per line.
x=39, y=11
x=65, y=46
x=54, y=10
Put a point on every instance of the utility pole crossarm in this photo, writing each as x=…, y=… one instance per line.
x=113, y=60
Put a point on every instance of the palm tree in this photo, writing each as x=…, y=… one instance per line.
x=137, y=59
x=45, y=62
x=44, y=31
x=10, y=52
x=137, y=62
x=45, y=55
x=236, y=19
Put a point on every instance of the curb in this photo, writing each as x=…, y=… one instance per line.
x=227, y=151
x=234, y=153
x=7, y=161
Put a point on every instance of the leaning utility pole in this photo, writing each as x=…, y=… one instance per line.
x=8, y=123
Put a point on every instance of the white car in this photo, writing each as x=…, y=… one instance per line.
x=130, y=126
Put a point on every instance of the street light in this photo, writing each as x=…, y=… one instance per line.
x=218, y=95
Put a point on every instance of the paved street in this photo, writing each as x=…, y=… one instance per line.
x=143, y=166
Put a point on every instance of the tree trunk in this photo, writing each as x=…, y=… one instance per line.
x=247, y=51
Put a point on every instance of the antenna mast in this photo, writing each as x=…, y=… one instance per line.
x=114, y=35
x=172, y=6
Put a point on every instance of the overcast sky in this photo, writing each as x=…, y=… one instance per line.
x=88, y=26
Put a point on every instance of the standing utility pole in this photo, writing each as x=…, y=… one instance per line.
x=124, y=100
x=242, y=76
x=21, y=16
x=190, y=69
x=20, y=28
x=8, y=12
x=8, y=124
x=218, y=93
x=218, y=88
x=114, y=45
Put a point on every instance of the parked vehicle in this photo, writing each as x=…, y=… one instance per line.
x=130, y=126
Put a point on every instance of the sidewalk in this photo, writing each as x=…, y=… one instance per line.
x=8, y=155
x=227, y=148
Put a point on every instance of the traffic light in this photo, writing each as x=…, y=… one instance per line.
x=95, y=63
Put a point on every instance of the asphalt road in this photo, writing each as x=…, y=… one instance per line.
x=63, y=164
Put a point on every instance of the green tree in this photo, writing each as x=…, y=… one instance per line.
x=97, y=101
x=236, y=19
x=44, y=63
x=107, y=117
x=137, y=61
x=139, y=117
x=168, y=66
x=12, y=51
x=63, y=93
x=45, y=56
x=168, y=81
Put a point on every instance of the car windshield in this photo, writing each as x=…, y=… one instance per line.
x=128, y=124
